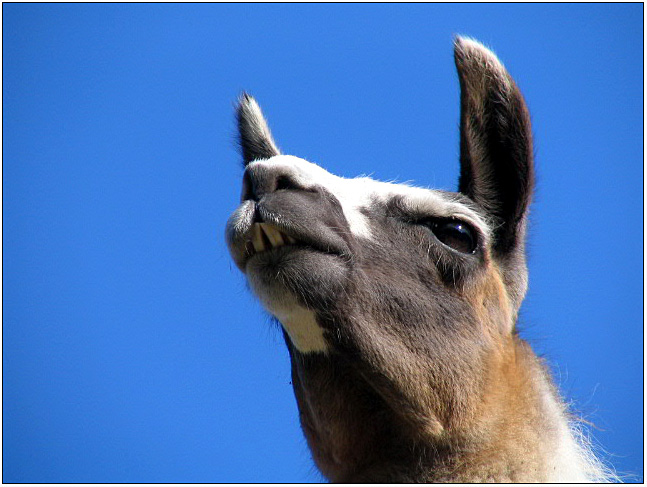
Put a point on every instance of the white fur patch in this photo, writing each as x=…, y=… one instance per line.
x=299, y=322
x=570, y=458
x=301, y=326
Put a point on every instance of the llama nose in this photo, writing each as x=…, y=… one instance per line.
x=260, y=180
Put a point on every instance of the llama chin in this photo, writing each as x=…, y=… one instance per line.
x=399, y=304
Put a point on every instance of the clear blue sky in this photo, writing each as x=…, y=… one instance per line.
x=132, y=351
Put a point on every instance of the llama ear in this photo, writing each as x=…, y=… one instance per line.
x=254, y=136
x=496, y=143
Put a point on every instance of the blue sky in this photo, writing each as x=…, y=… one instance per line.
x=132, y=350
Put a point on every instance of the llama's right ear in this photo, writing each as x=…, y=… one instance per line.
x=254, y=136
x=496, y=144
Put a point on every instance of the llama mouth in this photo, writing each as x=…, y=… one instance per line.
x=265, y=236
x=254, y=231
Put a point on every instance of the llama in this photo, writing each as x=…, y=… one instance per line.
x=399, y=304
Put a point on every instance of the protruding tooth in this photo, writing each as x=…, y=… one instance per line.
x=257, y=238
x=273, y=235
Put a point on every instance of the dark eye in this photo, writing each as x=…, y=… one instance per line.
x=455, y=234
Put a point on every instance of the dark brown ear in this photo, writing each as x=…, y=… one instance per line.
x=496, y=144
x=254, y=136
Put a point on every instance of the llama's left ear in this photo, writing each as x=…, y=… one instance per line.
x=496, y=144
x=254, y=135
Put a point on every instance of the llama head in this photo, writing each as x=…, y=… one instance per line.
x=413, y=290
x=307, y=238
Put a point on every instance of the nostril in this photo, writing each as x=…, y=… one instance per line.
x=248, y=188
x=285, y=182
x=259, y=180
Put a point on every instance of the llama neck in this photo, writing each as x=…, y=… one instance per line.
x=519, y=431
x=516, y=432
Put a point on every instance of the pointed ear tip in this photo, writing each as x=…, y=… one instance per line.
x=245, y=100
x=468, y=48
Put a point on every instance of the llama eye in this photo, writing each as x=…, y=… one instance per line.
x=455, y=234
